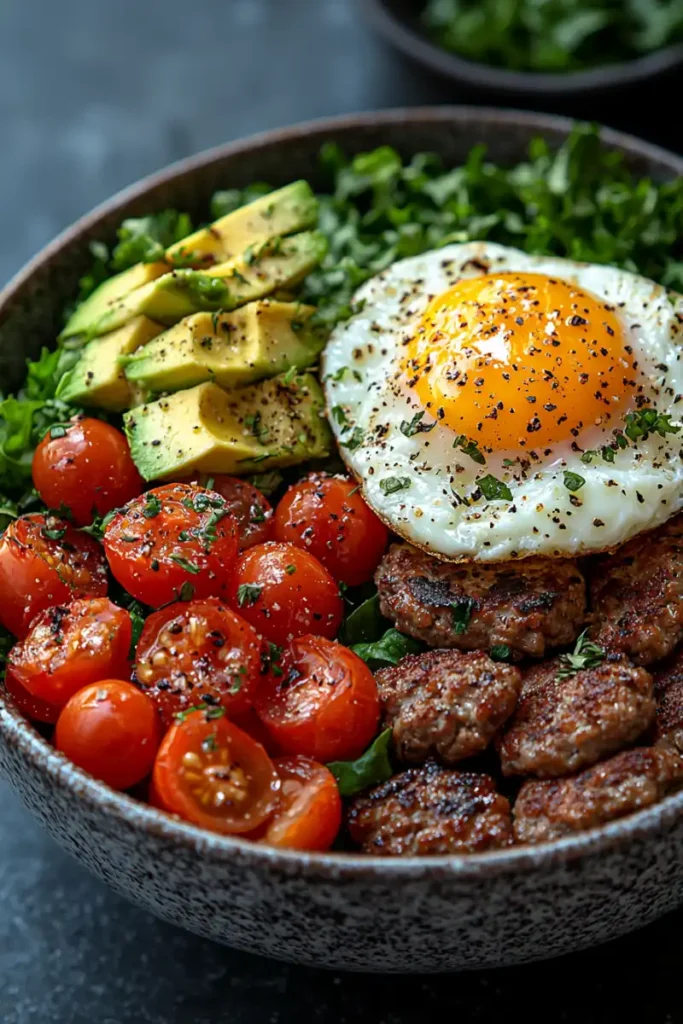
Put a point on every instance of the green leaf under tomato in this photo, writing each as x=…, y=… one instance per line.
x=371, y=768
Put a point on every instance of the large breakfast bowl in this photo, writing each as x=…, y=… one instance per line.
x=341, y=910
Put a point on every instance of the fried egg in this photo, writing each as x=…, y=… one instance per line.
x=496, y=405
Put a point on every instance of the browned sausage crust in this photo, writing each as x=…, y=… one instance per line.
x=563, y=724
x=446, y=704
x=669, y=697
x=626, y=783
x=637, y=595
x=529, y=606
x=431, y=810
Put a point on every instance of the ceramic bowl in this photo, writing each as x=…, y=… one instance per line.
x=340, y=910
x=398, y=21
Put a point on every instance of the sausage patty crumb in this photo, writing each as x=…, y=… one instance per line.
x=563, y=724
x=431, y=810
x=628, y=782
x=446, y=704
x=637, y=595
x=669, y=697
x=529, y=607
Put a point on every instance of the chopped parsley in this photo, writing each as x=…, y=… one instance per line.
x=494, y=489
x=640, y=424
x=500, y=652
x=392, y=484
x=572, y=481
x=184, y=564
x=470, y=448
x=211, y=712
x=586, y=654
x=415, y=425
x=340, y=416
x=354, y=440
x=248, y=594
x=152, y=506
x=461, y=612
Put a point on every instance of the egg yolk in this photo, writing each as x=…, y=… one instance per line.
x=519, y=360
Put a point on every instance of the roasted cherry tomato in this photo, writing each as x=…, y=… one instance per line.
x=285, y=592
x=43, y=562
x=70, y=646
x=86, y=467
x=251, y=509
x=320, y=700
x=32, y=707
x=198, y=652
x=211, y=773
x=308, y=816
x=250, y=723
x=111, y=730
x=176, y=541
x=327, y=516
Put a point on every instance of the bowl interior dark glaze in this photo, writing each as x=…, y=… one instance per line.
x=330, y=908
x=399, y=22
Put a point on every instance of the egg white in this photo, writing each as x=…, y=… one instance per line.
x=440, y=508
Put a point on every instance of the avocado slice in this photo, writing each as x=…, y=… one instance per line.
x=110, y=292
x=262, y=339
x=271, y=424
x=277, y=263
x=98, y=379
x=289, y=209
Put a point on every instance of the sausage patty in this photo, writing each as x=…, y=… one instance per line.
x=637, y=595
x=563, y=724
x=628, y=782
x=529, y=606
x=431, y=810
x=669, y=697
x=447, y=704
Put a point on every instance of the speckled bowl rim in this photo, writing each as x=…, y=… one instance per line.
x=20, y=734
x=419, y=47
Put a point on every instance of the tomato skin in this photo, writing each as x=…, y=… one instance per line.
x=31, y=707
x=37, y=572
x=171, y=537
x=321, y=702
x=70, y=646
x=198, y=652
x=111, y=730
x=251, y=508
x=88, y=469
x=309, y=814
x=213, y=774
x=294, y=593
x=327, y=516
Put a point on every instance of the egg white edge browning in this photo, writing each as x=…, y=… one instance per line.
x=438, y=506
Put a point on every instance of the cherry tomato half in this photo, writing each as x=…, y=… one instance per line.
x=45, y=561
x=111, y=730
x=251, y=509
x=321, y=701
x=309, y=814
x=32, y=707
x=86, y=467
x=175, y=539
x=211, y=773
x=70, y=646
x=199, y=652
x=327, y=516
x=284, y=592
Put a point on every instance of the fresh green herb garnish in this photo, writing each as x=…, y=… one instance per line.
x=586, y=654
x=494, y=489
x=470, y=448
x=152, y=506
x=392, y=484
x=461, y=612
x=371, y=767
x=639, y=425
x=187, y=566
x=354, y=440
x=415, y=425
x=500, y=652
x=211, y=712
x=572, y=481
x=248, y=594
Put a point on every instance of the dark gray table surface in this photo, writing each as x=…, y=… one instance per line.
x=94, y=94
